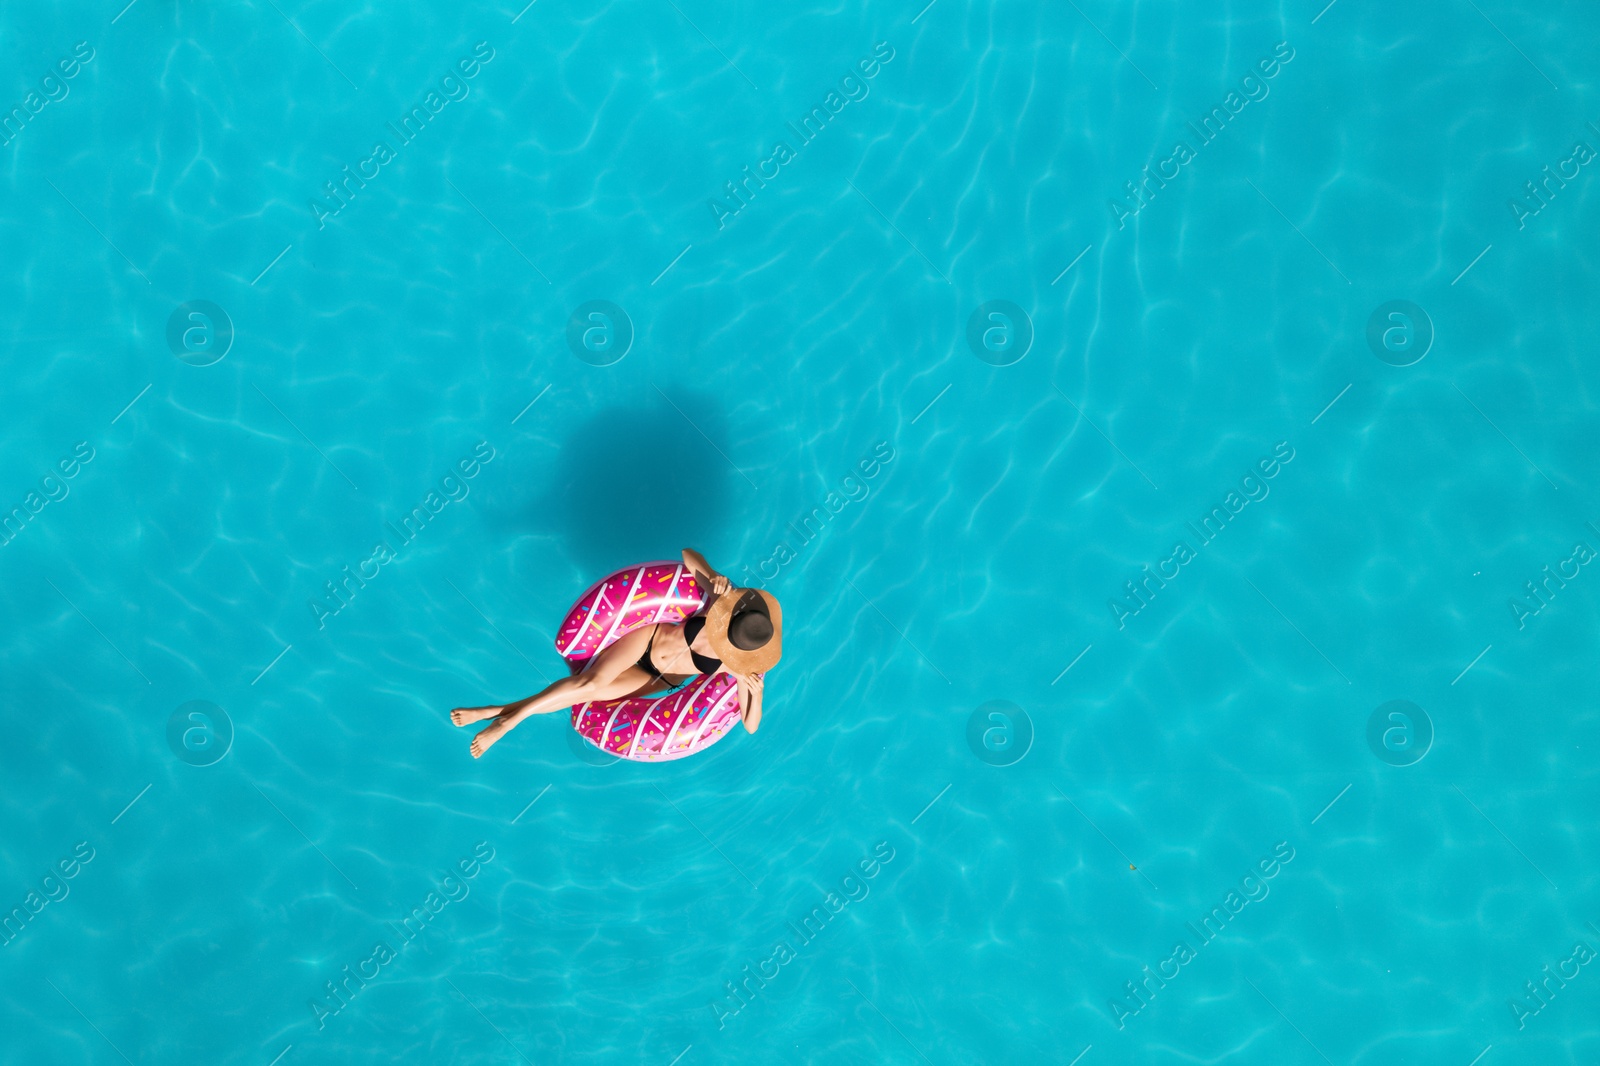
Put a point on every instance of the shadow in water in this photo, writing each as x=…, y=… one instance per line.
x=638, y=483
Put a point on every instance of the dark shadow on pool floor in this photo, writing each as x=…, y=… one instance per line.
x=634, y=483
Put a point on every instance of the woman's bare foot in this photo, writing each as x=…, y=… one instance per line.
x=468, y=715
x=486, y=738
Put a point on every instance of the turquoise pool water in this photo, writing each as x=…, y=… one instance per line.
x=1171, y=434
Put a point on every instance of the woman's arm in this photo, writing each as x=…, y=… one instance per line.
x=750, y=700
x=702, y=569
x=713, y=583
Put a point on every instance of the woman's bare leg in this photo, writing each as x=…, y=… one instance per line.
x=549, y=698
x=468, y=715
x=612, y=674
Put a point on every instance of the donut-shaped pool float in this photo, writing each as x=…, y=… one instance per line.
x=645, y=729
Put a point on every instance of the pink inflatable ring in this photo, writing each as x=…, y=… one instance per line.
x=645, y=729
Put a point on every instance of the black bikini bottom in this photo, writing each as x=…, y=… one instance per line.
x=649, y=667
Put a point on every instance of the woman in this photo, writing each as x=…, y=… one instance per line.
x=739, y=631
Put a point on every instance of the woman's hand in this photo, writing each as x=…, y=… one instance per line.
x=714, y=583
x=750, y=688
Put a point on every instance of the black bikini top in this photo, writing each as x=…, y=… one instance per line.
x=691, y=630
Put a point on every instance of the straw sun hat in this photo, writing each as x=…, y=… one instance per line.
x=745, y=628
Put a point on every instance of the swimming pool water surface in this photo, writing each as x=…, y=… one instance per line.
x=1170, y=431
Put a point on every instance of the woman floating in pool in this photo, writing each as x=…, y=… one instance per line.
x=738, y=632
